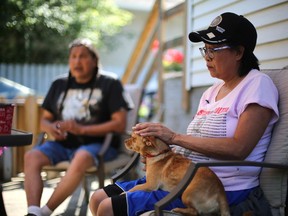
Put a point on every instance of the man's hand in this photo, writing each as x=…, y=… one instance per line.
x=70, y=126
x=56, y=132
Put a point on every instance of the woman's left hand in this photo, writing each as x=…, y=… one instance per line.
x=155, y=129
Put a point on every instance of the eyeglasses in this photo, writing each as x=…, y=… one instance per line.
x=210, y=51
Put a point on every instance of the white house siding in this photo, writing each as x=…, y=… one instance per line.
x=270, y=18
x=116, y=60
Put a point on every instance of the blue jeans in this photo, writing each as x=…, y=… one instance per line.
x=57, y=153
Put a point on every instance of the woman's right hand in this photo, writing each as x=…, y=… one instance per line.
x=155, y=129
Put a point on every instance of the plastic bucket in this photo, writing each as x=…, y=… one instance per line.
x=6, y=118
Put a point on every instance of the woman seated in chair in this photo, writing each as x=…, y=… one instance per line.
x=234, y=121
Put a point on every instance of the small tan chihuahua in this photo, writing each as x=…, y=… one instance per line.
x=165, y=169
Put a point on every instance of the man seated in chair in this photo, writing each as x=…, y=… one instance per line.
x=78, y=112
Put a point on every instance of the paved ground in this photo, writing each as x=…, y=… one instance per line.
x=75, y=205
x=15, y=201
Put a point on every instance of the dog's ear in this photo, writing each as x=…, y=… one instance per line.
x=149, y=140
x=160, y=143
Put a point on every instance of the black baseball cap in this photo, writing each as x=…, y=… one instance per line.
x=228, y=28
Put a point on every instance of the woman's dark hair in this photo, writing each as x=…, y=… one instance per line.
x=248, y=62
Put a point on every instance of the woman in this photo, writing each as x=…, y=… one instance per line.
x=78, y=111
x=234, y=121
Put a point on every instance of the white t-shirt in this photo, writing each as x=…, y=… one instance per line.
x=220, y=118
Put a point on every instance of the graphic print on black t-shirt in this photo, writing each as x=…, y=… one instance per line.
x=79, y=106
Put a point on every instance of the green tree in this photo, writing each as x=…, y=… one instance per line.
x=39, y=31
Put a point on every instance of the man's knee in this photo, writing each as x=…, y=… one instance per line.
x=35, y=158
x=82, y=160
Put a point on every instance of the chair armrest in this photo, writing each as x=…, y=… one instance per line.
x=41, y=138
x=107, y=143
x=104, y=148
x=192, y=171
x=132, y=162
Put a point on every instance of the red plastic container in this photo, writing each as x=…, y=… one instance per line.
x=6, y=118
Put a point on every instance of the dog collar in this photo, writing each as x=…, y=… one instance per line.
x=162, y=152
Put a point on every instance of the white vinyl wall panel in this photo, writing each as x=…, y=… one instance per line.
x=270, y=18
x=205, y=11
x=276, y=63
x=273, y=32
x=206, y=7
x=270, y=15
x=279, y=56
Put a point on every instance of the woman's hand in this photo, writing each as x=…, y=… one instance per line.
x=155, y=129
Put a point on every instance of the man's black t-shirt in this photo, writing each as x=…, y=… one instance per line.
x=90, y=103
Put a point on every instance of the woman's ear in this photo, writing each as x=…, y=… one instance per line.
x=239, y=52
